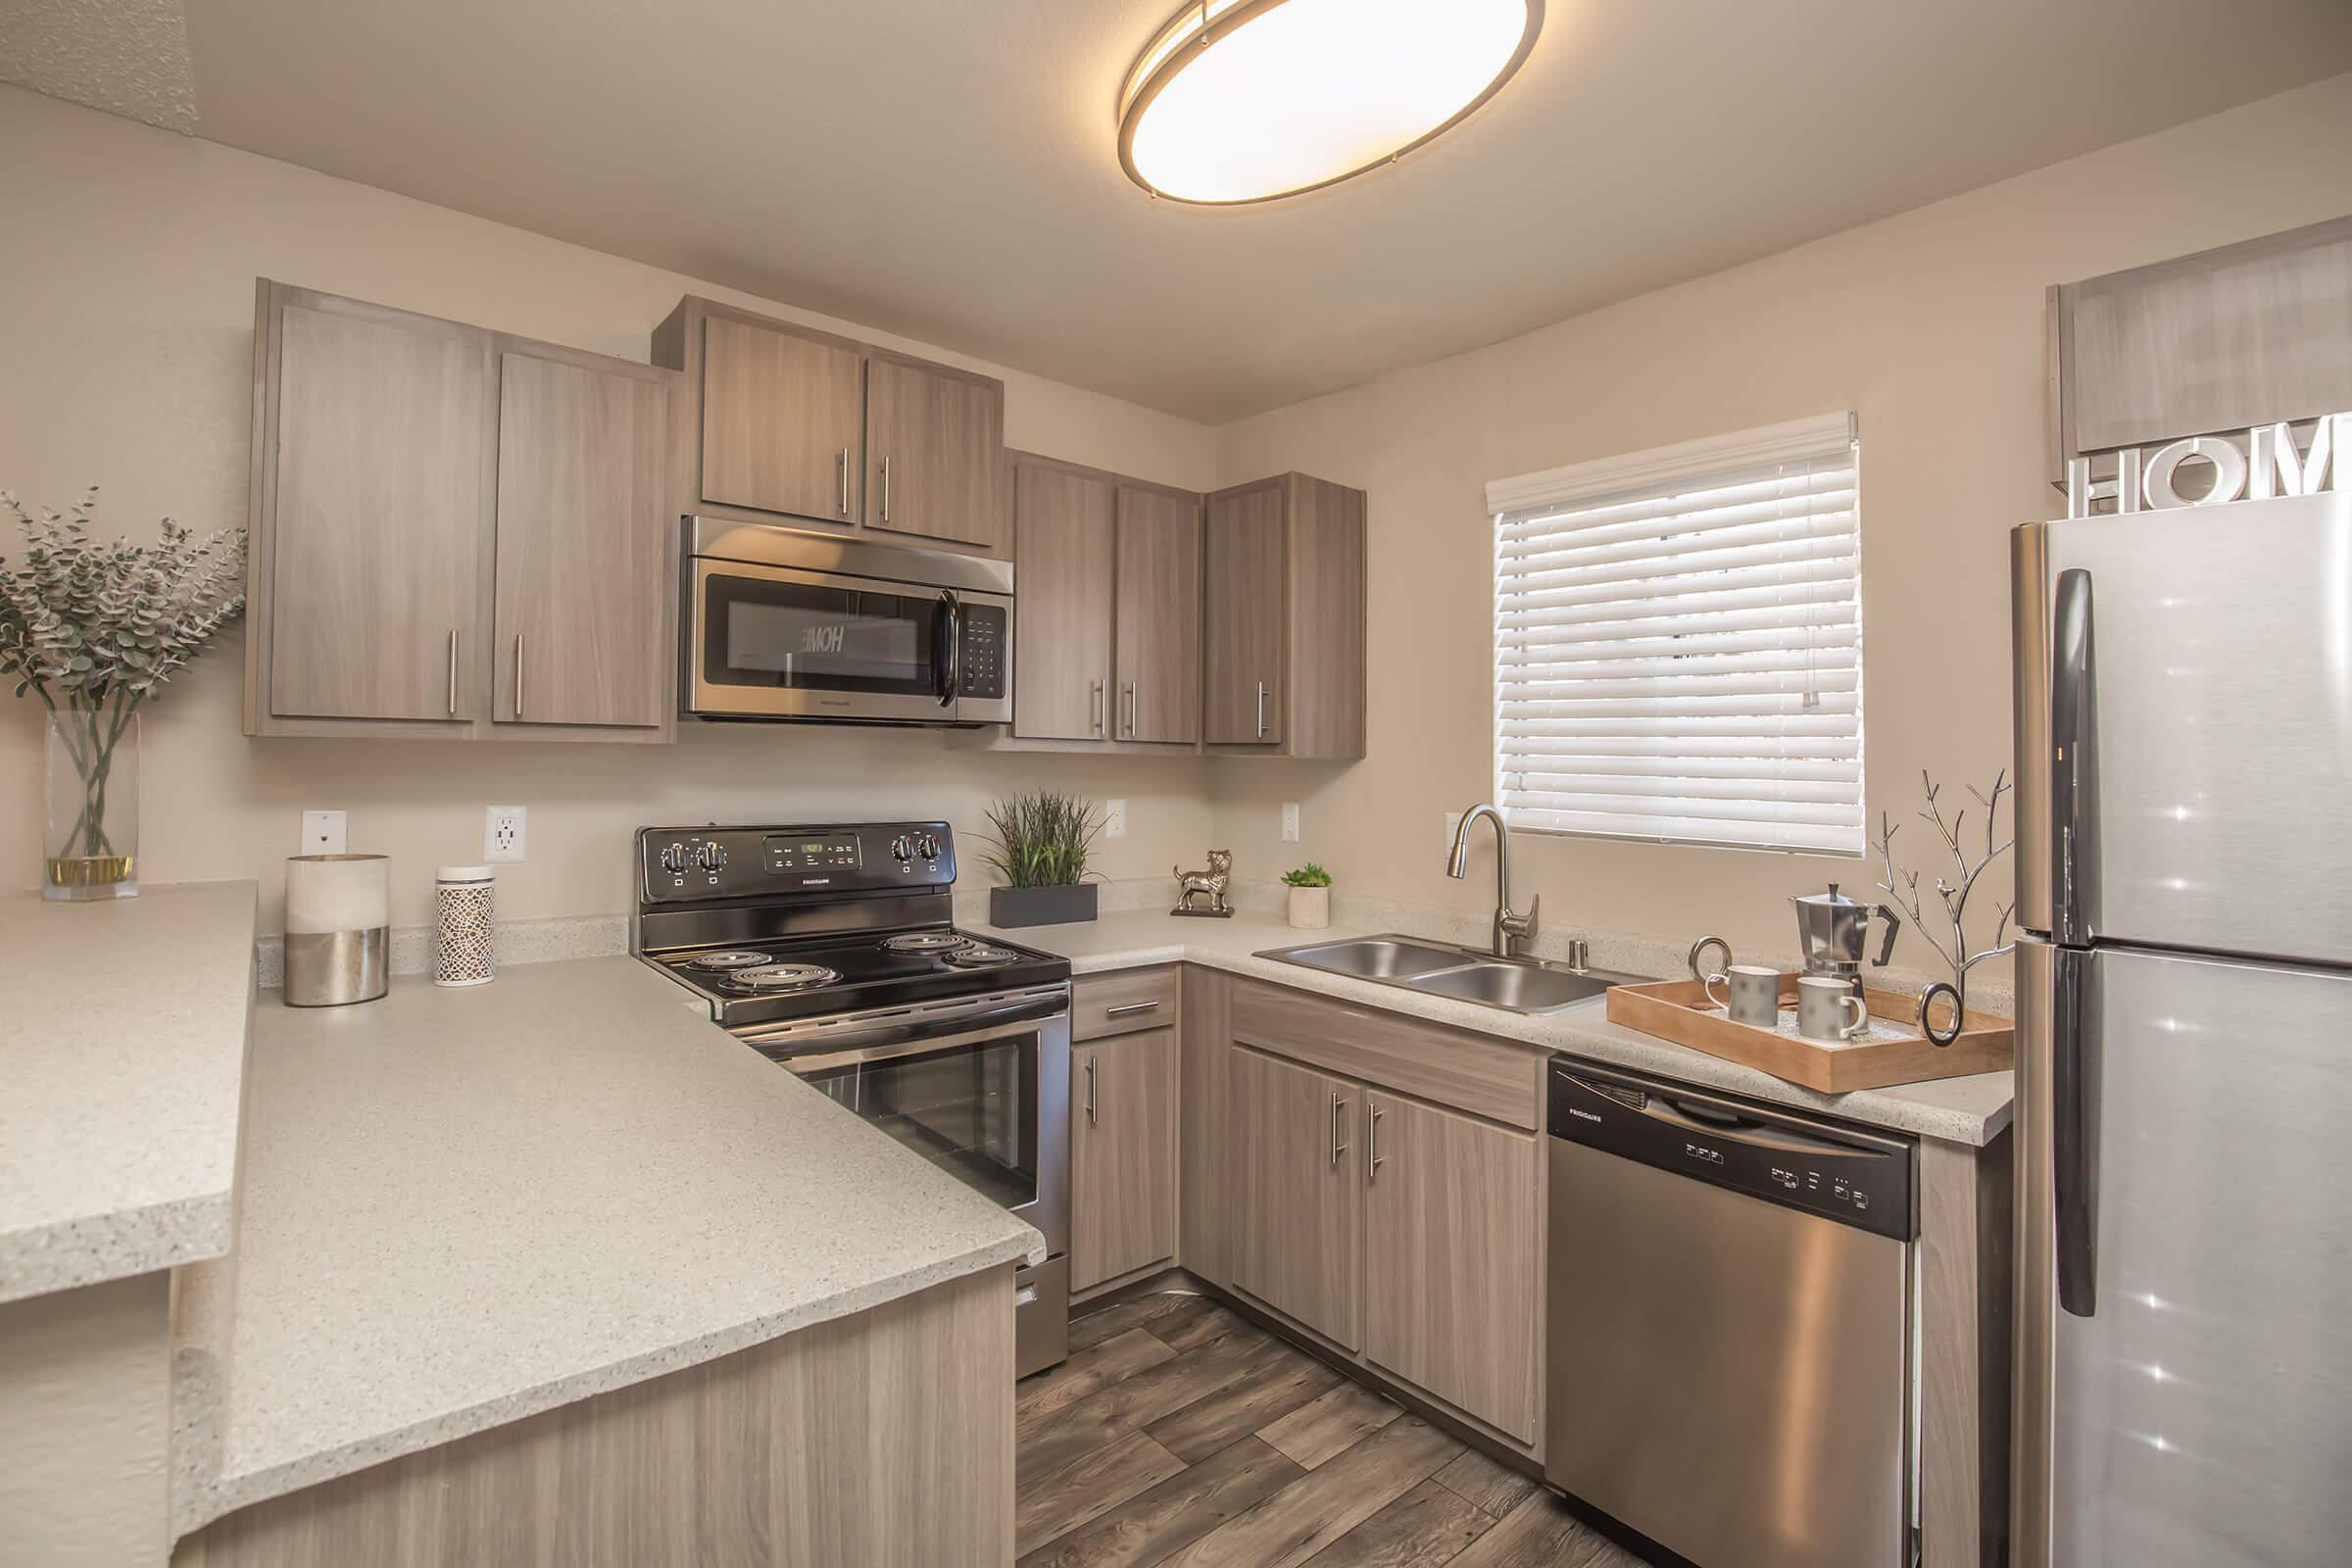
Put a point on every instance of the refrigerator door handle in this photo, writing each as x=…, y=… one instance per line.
x=2075, y=1053
x=2073, y=763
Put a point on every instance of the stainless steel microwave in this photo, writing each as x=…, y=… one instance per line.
x=788, y=623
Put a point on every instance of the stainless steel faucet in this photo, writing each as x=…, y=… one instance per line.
x=1511, y=931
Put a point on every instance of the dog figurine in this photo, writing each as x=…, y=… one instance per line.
x=1203, y=893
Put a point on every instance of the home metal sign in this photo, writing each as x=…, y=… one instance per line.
x=2298, y=458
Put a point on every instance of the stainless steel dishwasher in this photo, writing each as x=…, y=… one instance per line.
x=1730, y=1324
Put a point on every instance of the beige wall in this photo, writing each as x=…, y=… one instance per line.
x=1929, y=324
x=127, y=307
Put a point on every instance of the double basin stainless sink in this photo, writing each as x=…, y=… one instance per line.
x=1438, y=968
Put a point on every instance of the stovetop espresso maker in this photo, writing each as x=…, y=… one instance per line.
x=1832, y=930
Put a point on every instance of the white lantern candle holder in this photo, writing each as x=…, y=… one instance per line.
x=465, y=920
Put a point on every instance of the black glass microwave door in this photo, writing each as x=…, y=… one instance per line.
x=968, y=1109
x=809, y=637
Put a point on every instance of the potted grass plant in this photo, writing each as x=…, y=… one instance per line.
x=1310, y=897
x=95, y=629
x=1040, y=849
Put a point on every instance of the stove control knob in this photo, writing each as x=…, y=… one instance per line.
x=927, y=844
x=710, y=856
x=901, y=849
x=673, y=858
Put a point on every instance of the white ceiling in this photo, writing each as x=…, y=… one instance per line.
x=947, y=168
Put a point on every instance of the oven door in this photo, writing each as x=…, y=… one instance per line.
x=980, y=1087
x=786, y=642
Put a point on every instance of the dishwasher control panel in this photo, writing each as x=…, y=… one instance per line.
x=1849, y=1174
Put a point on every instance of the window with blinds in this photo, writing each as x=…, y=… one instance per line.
x=1678, y=643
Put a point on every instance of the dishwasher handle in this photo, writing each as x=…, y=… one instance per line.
x=1699, y=1116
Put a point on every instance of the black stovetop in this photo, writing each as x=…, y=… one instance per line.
x=869, y=975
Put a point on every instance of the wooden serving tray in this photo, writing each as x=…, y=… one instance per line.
x=1679, y=1011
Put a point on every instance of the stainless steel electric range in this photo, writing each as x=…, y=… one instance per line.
x=830, y=951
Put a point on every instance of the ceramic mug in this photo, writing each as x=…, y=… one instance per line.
x=1824, y=1004
x=1752, y=995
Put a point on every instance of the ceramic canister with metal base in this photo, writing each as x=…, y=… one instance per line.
x=338, y=929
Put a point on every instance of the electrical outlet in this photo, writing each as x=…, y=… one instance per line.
x=324, y=833
x=1290, y=821
x=1114, y=819
x=502, y=834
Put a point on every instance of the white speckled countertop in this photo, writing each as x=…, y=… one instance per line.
x=464, y=1206
x=123, y=1031
x=1968, y=1110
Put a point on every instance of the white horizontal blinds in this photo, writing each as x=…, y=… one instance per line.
x=1679, y=658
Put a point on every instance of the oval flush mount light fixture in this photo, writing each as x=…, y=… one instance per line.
x=1250, y=100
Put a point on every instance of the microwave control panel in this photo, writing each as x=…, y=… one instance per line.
x=980, y=669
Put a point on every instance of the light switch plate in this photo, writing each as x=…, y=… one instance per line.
x=1114, y=819
x=503, y=834
x=324, y=833
x=1290, y=821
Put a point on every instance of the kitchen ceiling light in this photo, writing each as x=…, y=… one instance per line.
x=1249, y=100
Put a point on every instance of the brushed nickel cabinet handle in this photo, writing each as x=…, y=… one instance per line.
x=1339, y=1119
x=1089, y=1090
x=1094, y=705
x=885, y=489
x=1372, y=1142
x=1130, y=1009
x=841, y=471
x=453, y=671
x=1261, y=710
x=1129, y=694
x=519, y=674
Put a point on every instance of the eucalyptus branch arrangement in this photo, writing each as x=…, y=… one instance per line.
x=1953, y=895
x=1042, y=839
x=95, y=629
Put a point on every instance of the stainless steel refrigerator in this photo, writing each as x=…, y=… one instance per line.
x=2184, y=1395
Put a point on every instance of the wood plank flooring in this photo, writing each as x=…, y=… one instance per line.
x=1180, y=1435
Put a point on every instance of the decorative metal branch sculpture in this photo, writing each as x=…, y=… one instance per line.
x=1952, y=896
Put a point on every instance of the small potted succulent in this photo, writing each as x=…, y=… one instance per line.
x=1310, y=897
x=1040, y=848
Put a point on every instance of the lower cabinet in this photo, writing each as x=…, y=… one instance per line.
x=1452, y=1283
x=1124, y=1091
x=1400, y=1231
x=1298, y=1208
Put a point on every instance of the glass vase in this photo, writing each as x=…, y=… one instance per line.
x=90, y=803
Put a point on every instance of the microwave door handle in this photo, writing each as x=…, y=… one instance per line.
x=951, y=615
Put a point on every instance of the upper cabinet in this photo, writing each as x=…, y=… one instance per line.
x=1108, y=590
x=2254, y=334
x=454, y=534
x=1285, y=619
x=796, y=427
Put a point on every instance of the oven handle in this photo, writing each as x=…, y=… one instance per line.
x=849, y=1047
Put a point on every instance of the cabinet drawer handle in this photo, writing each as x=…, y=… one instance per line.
x=1261, y=710
x=841, y=471
x=453, y=673
x=885, y=489
x=1338, y=1145
x=1094, y=705
x=1372, y=1142
x=1129, y=1010
x=1089, y=1090
x=519, y=674
x=1129, y=692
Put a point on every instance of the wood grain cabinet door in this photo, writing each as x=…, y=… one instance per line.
x=783, y=422
x=935, y=454
x=381, y=502
x=1062, y=555
x=1451, y=1268
x=1159, y=695
x=582, y=480
x=1242, y=702
x=1122, y=1156
x=1298, y=1203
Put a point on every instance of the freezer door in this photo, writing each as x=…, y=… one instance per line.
x=2195, y=1418
x=2184, y=701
